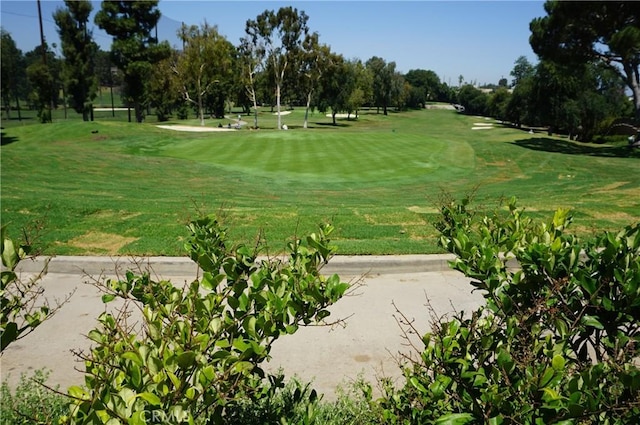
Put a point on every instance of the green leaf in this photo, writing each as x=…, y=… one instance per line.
x=78, y=393
x=558, y=362
x=151, y=398
x=186, y=359
x=107, y=298
x=9, y=334
x=591, y=321
x=454, y=419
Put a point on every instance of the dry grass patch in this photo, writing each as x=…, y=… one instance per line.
x=101, y=243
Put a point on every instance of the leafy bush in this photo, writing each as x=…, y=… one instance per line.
x=31, y=402
x=198, y=352
x=22, y=307
x=557, y=342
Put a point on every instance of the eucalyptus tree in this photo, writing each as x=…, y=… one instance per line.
x=206, y=61
x=79, y=50
x=362, y=89
x=606, y=32
x=281, y=34
x=251, y=53
x=134, y=50
x=314, y=60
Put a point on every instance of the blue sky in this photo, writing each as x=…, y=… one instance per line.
x=477, y=39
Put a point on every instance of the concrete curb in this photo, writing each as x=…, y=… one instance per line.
x=184, y=266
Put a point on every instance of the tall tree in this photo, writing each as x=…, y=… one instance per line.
x=12, y=69
x=338, y=83
x=79, y=50
x=134, y=49
x=522, y=69
x=315, y=58
x=282, y=34
x=383, y=81
x=251, y=54
x=206, y=60
x=598, y=31
x=164, y=88
x=43, y=77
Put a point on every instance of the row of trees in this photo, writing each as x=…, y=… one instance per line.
x=578, y=86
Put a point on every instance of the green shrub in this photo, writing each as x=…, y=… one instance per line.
x=198, y=352
x=31, y=403
x=558, y=339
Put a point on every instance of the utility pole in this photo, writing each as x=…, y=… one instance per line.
x=43, y=47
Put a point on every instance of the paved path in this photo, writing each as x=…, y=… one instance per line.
x=330, y=357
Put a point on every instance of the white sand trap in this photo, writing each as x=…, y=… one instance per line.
x=108, y=109
x=341, y=115
x=193, y=128
x=484, y=127
x=483, y=124
x=282, y=113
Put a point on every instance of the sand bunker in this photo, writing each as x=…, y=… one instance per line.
x=194, y=128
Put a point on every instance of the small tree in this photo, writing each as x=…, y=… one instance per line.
x=200, y=348
x=558, y=339
x=22, y=305
x=79, y=50
x=205, y=62
x=134, y=49
x=281, y=34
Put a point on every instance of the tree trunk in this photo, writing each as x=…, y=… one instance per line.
x=18, y=108
x=306, y=111
x=278, y=106
x=632, y=75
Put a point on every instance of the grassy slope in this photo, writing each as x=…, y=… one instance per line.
x=130, y=188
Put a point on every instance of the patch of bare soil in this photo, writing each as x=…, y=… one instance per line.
x=101, y=243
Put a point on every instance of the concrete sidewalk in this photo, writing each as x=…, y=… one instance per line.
x=366, y=346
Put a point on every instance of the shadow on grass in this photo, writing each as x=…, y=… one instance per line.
x=546, y=144
x=330, y=124
x=7, y=140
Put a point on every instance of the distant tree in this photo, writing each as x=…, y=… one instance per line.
x=134, y=50
x=521, y=70
x=599, y=31
x=43, y=81
x=362, y=90
x=474, y=100
x=251, y=53
x=518, y=109
x=383, y=79
x=503, y=82
x=428, y=82
x=164, y=88
x=338, y=84
x=13, y=69
x=314, y=60
x=399, y=90
x=281, y=34
x=498, y=101
x=79, y=50
x=206, y=61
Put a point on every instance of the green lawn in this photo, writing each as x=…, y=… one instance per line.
x=112, y=187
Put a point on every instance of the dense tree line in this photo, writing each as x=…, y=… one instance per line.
x=579, y=86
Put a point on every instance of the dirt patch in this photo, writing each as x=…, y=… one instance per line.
x=610, y=187
x=423, y=210
x=101, y=243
